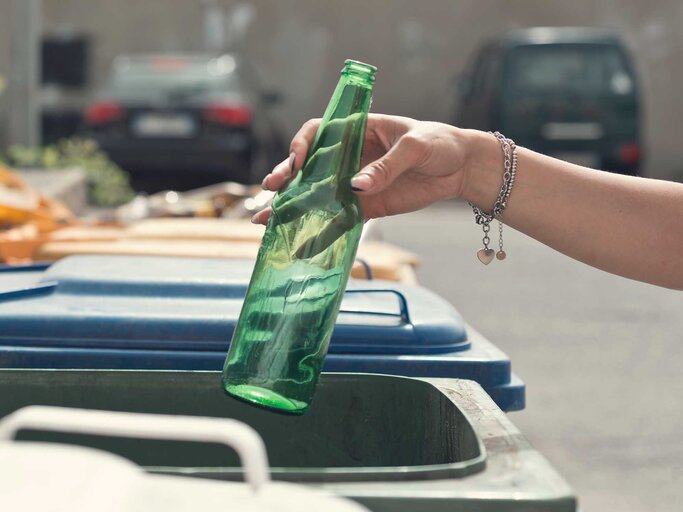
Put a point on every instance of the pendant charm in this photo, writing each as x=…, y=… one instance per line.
x=500, y=255
x=485, y=255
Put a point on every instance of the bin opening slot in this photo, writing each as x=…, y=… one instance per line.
x=23, y=290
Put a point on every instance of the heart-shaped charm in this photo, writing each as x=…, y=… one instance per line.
x=485, y=255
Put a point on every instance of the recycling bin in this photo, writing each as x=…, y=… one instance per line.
x=132, y=312
x=390, y=443
x=81, y=479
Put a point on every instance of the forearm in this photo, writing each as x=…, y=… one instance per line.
x=628, y=226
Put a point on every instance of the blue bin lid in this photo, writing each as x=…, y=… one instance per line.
x=193, y=304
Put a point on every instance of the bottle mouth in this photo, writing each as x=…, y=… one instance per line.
x=359, y=69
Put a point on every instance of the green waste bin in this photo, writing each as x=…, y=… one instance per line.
x=390, y=443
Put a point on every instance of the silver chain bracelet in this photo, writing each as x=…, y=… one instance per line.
x=482, y=218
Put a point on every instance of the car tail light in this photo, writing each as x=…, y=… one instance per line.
x=228, y=114
x=103, y=112
x=629, y=153
x=168, y=63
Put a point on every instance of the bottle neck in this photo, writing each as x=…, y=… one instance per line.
x=352, y=95
x=337, y=148
x=364, y=73
x=343, y=126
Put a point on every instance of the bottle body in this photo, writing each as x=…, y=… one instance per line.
x=289, y=312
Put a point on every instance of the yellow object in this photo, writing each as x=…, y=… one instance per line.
x=20, y=204
x=18, y=245
x=25, y=218
x=17, y=201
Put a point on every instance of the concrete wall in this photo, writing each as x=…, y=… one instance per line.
x=299, y=46
x=6, y=15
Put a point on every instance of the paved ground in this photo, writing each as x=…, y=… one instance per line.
x=601, y=356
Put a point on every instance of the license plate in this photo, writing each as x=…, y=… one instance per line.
x=572, y=131
x=583, y=158
x=164, y=125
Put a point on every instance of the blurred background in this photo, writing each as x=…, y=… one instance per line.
x=74, y=67
x=179, y=94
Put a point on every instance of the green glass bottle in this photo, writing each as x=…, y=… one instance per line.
x=302, y=267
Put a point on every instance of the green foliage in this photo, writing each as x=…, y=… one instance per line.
x=108, y=184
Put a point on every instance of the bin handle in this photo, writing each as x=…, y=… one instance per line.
x=237, y=435
x=366, y=267
x=402, y=303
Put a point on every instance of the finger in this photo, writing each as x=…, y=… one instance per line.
x=262, y=216
x=383, y=131
x=280, y=174
x=378, y=175
x=302, y=141
x=286, y=169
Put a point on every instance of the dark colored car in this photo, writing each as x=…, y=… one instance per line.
x=198, y=114
x=566, y=92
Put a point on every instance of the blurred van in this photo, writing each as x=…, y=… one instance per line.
x=566, y=92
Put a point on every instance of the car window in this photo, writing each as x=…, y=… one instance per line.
x=172, y=75
x=580, y=67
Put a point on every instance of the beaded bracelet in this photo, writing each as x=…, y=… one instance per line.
x=482, y=218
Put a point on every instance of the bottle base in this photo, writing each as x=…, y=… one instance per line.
x=265, y=398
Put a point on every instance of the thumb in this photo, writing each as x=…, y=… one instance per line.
x=378, y=175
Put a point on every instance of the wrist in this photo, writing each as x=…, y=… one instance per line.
x=483, y=170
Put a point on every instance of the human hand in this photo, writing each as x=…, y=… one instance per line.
x=406, y=164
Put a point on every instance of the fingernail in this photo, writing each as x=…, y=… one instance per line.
x=254, y=219
x=361, y=182
x=292, y=161
x=263, y=183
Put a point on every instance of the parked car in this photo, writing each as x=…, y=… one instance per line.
x=567, y=92
x=186, y=113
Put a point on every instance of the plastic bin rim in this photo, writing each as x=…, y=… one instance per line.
x=312, y=474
